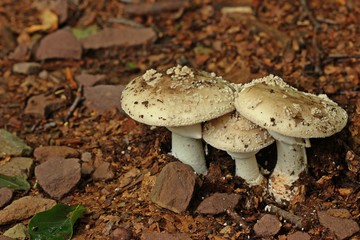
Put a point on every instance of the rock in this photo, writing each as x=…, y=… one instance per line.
x=341, y=213
x=60, y=7
x=58, y=176
x=17, y=166
x=45, y=153
x=26, y=68
x=103, y=98
x=88, y=80
x=124, y=37
x=2, y=237
x=218, y=203
x=121, y=233
x=20, y=53
x=267, y=226
x=43, y=105
x=165, y=236
x=24, y=208
x=6, y=195
x=7, y=39
x=343, y=228
x=299, y=236
x=18, y=232
x=61, y=45
x=13, y=145
x=174, y=187
x=87, y=164
x=103, y=172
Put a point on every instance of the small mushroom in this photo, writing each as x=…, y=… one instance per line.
x=180, y=99
x=241, y=139
x=291, y=117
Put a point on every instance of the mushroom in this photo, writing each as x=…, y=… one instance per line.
x=180, y=99
x=241, y=139
x=291, y=117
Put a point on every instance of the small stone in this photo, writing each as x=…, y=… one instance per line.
x=103, y=172
x=58, y=176
x=165, y=236
x=121, y=233
x=18, y=232
x=343, y=228
x=45, y=153
x=341, y=213
x=44, y=74
x=17, y=166
x=6, y=195
x=43, y=105
x=13, y=145
x=24, y=208
x=174, y=187
x=59, y=45
x=20, y=53
x=88, y=80
x=103, y=98
x=299, y=236
x=267, y=226
x=2, y=237
x=26, y=68
x=218, y=203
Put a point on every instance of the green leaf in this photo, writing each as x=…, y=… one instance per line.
x=14, y=182
x=56, y=223
x=131, y=65
x=81, y=33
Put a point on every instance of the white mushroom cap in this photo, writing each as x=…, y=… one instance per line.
x=234, y=133
x=178, y=97
x=274, y=105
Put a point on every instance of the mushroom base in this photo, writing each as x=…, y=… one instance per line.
x=189, y=151
x=247, y=168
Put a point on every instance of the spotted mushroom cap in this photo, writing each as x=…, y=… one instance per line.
x=232, y=132
x=179, y=96
x=274, y=105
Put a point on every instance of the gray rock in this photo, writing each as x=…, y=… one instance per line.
x=17, y=166
x=45, y=153
x=18, y=232
x=111, y=37
x=6, y=195
x=88, y=80
x=299, y=236
x=103, y=172
x=218, y=203
x=58, y=176
x=165, y=236
x=24, y=208
x=267, y=226
x=26, y=68
x=342, y=227
x=61, y=45
x=13, y=145
x=174, y=187
x=103, y=98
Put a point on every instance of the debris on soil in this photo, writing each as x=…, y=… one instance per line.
x=165, y=236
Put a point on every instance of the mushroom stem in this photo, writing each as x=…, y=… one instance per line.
x=247, y=168
x=187, y=149
x=291, y=162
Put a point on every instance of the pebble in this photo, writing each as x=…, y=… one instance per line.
x=103, y=172
x=43, y=105
x=58, y=176
x=13, y=145
x=174, y=187
x=6, y=195
x=24, y=208
x=218, y=203
x=17, y=166
x=121, y=233
x=299, y=236
x=45, y=153
x=267, y=226
x=88, y=80
x=165, y=236
x=26, y=68
x=18, y=232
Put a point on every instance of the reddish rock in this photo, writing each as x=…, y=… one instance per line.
x=103, y=172
x=218, y=203
x=103, y=98
x=165, y=236
x=6, y=195
x=58, y=176
x=299, y=236
x=121, y=233
x=20, y=53
x=43, y=105
x=111, y=37
x=45, y=153
x=61, y=44
x=342, y=227
x=174, y=187
x=267, y=226
x=2, y=237
x=88, y=80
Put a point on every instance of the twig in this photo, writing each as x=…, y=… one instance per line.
x=315, y=23
x=294, y=219
x=125, y=21
x=237, y=219
x=341, y=56
x=76, y=102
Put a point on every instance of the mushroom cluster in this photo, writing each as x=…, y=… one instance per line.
x=240, y=119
